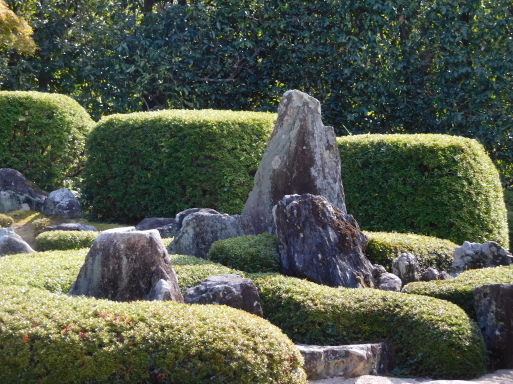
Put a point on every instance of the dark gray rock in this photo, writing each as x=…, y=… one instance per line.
x=320, y=242
x=11, y=243
x=346, y=361
x=201, y=229
x=430, y=274
x=231, y=290
x=70, y=227
x=386, y=281
x=494, y=310
x=180, y=216
x=126, y=265
x=476, y=255
x=16, y=193
x=302, y=157
x=167, y=227
x=62, y=203
x=406, y=268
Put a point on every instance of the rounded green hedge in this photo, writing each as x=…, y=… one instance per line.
x=43, y=136
x=159, y=163
x=460, y=290
x=436, y=185
x=251, y=253
x=384, y=247
x=429, y=336
x=49, y=337
x=5, y=221
x=62, y=240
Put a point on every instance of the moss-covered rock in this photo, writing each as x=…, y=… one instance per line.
x=436, y=185
x=252, y=254
x=460, y=290
x=5, y=221
x=429, y=251
x=429, y=336
x=62, y=240
x=43, y=136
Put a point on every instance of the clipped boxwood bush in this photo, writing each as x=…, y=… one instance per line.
x=384, y=247
x=159, y=163
x=430, y=337
x=436, y=185
x=49, y=337
x=460, y=290
x=62, y=240
x=5, y=221
x=43, y=135
x=251, y=253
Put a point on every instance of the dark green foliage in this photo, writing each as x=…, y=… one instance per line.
x=159, y=163
x=436, y=185
x=252, y=254
x=43, y=136
x=429, y=336
x=5, y=221
x=64, y=240
x=384, y=247
x=508, y=198
x=460, y=290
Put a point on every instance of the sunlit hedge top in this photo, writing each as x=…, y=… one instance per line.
x=159, y=163
x=436, y=185
x=43, y=136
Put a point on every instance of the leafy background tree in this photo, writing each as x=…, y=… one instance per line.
x=14, y=32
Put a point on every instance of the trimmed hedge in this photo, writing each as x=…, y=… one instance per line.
x=251, y=253
x=5, y=221
x=384, y=247
x=436, y=185
x=460, y=290
x=159, y=163
x=429, y=336
x=43, y=136
x=63, y=240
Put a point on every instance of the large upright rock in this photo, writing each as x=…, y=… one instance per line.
x=201, y=229
x=320, y=242
x=11, y=243
x=62, y=203
x=126, y=265
x=302, y=156
x=17, y=194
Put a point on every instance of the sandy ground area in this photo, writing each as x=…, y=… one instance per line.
x=504, y=376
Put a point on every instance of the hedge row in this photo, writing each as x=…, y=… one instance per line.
x=460, y=290
x=159, y=163
x=63, y=240
x=43, y=136
x=436, y=185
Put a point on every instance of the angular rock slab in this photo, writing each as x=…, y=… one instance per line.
x=11, y=243
x=494, y=309
x=167, y=227
x=201, y=229
x=229, y=289
x=476, y=255
x=62, y=203
x=322, y=362
x=320, y=242
x=302, y=156
x=125, y=265
x=17, y=194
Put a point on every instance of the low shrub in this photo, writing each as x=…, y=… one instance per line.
x=40, y=225
x=435, y=185
x=384, y=247
x=429, y=336
x=43, y=136
x=62, y=240
x=5, y=221
x=251, y=254
x=460, y=290
x=159, y=163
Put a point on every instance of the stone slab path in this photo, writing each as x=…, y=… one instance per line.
x=504, y=376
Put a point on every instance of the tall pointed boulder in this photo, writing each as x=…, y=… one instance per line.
x=301, y=157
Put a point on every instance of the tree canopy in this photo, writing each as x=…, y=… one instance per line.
x=14, y=31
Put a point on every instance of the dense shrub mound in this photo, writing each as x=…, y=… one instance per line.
x=53, y=338
x=43, y=136
x=429, y=336
x=251, y=253
x=435, y=185
x=159, y=163
x=5, y=221
x=62, y=240
x=460, y=290
x=384, y=247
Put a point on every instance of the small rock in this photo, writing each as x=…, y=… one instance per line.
x=167, y=227
x=430, y=274
x=180, y=216
x=476, y=255
x=16, y=193
x=406, y=268
x=12, y=244
x=386, y=281
x=62, y=203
